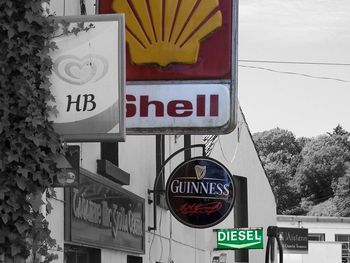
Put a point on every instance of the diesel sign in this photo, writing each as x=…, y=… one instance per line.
x=164, y=107
x=200, y=192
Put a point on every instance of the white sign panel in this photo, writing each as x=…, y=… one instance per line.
x=88, y=79
x=176, y=106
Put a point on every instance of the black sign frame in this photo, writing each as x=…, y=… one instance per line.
x=228, y=208
x=291, y=240
x=73, y=235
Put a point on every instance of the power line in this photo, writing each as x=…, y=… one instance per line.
x=295, y=73
x=295, y=62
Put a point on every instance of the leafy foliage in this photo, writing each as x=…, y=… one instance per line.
x=279, y=152
x=28, y=143
x=308, y=175
x=342, y=194
x=323, y=163
x=326, y=208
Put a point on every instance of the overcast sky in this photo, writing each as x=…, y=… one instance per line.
x=308, y=100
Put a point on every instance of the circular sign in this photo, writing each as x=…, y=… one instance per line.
x=200, y=192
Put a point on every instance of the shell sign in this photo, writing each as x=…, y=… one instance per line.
x=176, y=39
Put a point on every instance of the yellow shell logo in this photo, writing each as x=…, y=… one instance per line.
x=167, y=31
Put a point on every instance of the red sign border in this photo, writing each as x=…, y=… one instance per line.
x=231, y=125
x=210, y=65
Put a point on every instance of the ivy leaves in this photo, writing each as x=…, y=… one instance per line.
x=28, y=143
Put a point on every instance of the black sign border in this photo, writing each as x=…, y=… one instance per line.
x=295, y=231
x=233, y=198
x=70, y=239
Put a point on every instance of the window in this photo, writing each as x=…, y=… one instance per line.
x=133, y=259
x=316, y=237
x=78, y=254
x=345, y=239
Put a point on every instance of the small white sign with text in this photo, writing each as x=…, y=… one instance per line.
x=168, y=106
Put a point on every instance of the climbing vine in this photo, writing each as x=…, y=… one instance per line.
x=28, y=143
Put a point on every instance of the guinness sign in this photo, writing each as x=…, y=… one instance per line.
x=200, y=192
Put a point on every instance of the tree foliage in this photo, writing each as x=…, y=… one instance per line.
x=342, y=194
x=323, y=163
x=279, y=152
x=307, y=175
x=28, y=143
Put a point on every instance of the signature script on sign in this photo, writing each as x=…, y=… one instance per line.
x=199, y=208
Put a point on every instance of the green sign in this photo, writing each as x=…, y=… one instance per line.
x=240, y=238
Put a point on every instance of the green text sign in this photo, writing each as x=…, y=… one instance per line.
x=241, y=238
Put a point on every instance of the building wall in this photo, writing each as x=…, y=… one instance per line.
x=237, y=152
x=323, y=251
x=71, y=7
x=327, y=225
x=172, y=240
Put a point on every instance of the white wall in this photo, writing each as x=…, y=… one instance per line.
x=172, y=240
x=71, y=7
x=320, y=252
x=237, y=152
x=330, y=226
x=327, y=251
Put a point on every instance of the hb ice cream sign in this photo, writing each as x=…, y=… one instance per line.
x=88, y=78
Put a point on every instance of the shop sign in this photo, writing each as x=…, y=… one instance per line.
x=241, y=238
x=176, y=45
x=192, y=105
x=294, y=240
x=88, y=78
x=105, y=215
x=200, y=192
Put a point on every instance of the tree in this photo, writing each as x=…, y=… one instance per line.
x=323, y=163
x=342, y=193
x=275, y=140
x=28, y=143
x=279, y=152
x=307, y=175
x=341, y=136
x=326, y=208
x=287, y=198
x=339, y=205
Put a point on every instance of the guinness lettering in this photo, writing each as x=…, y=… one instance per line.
x=200, y=192
x=209, y=188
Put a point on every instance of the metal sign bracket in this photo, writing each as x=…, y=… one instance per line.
x=156, y=192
